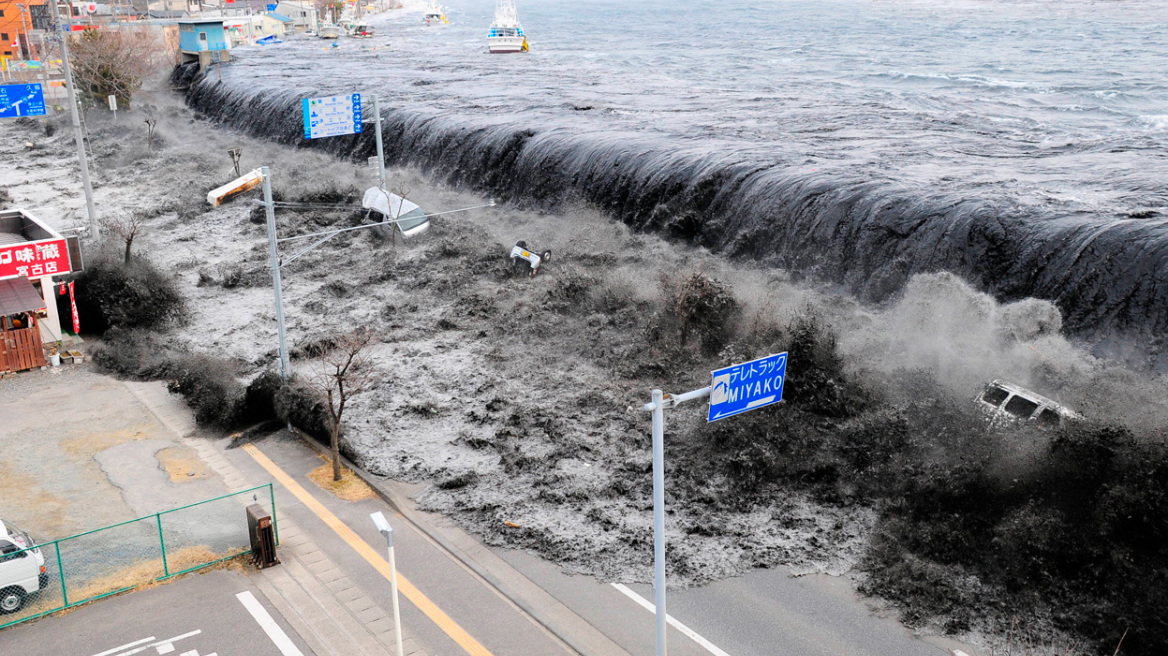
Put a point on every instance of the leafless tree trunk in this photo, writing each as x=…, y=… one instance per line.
x=125, y=228
x=345, y=372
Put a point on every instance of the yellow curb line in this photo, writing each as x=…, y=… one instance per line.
x=415, y=596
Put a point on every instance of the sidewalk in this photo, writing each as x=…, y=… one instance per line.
x=321, y=602
x=339, y=604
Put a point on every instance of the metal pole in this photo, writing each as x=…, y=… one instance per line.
x=380, y=150
x=274, y=253
x=393, y=590
x=94, y=229
x=659, y=516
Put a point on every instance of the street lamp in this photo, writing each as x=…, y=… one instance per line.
x=387, y=530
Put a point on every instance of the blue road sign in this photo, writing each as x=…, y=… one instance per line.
x=21, y=100
x=271, y=7
x=332, y=116
x=747, y=386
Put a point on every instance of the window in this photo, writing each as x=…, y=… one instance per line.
x=76, y=11
x=8, y=551
x=1021, y=407
x=4, y=37
x=1, y=13
x=7, y=53
x=1048, y=418
x=994, y=395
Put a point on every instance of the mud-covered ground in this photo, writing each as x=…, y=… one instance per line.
x=519, y=399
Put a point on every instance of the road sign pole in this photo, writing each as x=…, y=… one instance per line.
x=657, y=406
x=274, y=253
x=94, y=229
x=659, y=516
x=380, y=149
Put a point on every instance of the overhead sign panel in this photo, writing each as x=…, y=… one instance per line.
x=332, y=116
x=747, y=386
x=21, y=100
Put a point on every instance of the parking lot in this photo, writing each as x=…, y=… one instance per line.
x=198, y=615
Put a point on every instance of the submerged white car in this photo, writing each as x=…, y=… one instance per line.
x=22, y=568
x=381, y=205
x=1004, y=401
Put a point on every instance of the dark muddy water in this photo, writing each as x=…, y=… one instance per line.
x=1019, y=144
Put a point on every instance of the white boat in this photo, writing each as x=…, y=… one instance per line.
x=506, y=33
x=435, y=14
x=361, y=31
x=330, y=32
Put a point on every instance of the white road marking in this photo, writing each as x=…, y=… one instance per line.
x=125, y=646
x=277, y=635
x=685, y=630
x=165, y=648
x=157, y=645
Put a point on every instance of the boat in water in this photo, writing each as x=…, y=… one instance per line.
x=435, y=14
x=360, y=31
x=330, y=32
x=506, y=33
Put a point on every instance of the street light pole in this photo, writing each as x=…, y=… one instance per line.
x=387, y=530
x=94, y=229
x=274, y=253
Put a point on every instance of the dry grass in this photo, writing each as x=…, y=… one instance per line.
x=182, y=464
x=349, y=488
x=88, y=445
x=139, y=576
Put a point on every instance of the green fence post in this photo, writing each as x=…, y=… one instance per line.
x=162, y=543
x=275, y=522
x=61, y=572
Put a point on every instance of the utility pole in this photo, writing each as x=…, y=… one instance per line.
x=27, y=35
x=274, y=253
x=380, y=149
x=94, y=230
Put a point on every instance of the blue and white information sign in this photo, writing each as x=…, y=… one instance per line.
x=21, y=100
x=271, y=7
x=747, y=386
x=331, y=117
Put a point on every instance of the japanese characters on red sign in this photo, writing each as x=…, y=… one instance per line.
x=34, y=259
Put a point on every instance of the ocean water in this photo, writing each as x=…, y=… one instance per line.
x=1022, y=145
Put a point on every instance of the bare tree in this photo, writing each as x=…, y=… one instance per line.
x=151, y=123
x=345, y=372
x=125, y=227
x=115, y=62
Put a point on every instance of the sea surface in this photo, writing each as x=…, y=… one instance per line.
x=1022, y=145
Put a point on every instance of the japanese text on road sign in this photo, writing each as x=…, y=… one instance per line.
x=747, y=386
x=21, y=100
x=332, y=116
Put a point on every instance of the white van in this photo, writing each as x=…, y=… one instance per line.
x=22, y=568
x=1004, y=401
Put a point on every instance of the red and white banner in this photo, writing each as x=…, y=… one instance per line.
x=73, y=303
x=33, y=259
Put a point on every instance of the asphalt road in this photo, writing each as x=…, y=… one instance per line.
x=764, y=613
x=197, y=615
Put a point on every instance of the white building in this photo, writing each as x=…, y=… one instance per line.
x=304, y=16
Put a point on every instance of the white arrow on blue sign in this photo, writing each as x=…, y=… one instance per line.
x=747, y=386
x=21, y=100
x=331, y=116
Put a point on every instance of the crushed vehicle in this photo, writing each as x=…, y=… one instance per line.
x=383, y=206
x=520, y=253
x=1008, y=402
x=22, y=568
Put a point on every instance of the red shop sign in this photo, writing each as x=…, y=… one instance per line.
x=33, y=259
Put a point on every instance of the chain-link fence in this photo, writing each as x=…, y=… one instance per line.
x=41, y=579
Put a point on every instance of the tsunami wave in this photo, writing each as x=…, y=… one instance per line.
x=1108, y=275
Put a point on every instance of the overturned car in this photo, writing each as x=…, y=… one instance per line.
x=1004, y=401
